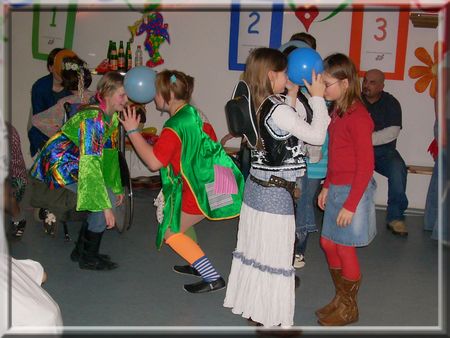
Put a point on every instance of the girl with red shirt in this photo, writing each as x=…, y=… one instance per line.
x=347, y=195
x=187, y=156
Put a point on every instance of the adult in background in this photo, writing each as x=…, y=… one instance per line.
x=45, y=93
x=386, y=113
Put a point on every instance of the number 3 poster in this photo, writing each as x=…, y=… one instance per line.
x=378, y=40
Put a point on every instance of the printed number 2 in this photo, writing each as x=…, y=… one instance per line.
x=251, y=30
x=382, y=28
x=53, y=23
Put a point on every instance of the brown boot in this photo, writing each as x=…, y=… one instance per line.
x=327, y=309
x=347, y=309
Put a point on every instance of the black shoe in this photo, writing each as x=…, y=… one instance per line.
x=186, y=270
x=89, y=258
x=18, y=228
x=202, y=287
x=96, y=263
x=297, y=281
x=251, y=322
x=75, y=256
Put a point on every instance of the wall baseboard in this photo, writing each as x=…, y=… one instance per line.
x=408, y=212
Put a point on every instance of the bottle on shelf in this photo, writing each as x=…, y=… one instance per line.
x=128, y=57
x=113, y=61
x=108, y=56
x=138, y=57
x=121, y=57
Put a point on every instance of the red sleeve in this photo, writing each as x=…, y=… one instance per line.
x=208, y=129
x=360, y=130
x=167, y=147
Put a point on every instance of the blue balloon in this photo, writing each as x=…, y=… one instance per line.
x=139, y=84
x=293, y=43
x=301, y=62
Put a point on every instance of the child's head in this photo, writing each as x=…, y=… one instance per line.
x=51, y=58
x=75, y=74
x=58, y=60
x=305, y=37
x=173, y=81
x=259, y=65
x=111, y=93
x=341, y=81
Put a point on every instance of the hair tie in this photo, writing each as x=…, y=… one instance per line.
x=173, y=78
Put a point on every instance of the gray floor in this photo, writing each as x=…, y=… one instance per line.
x=400, y=290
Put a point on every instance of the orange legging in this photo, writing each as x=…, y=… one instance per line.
x=185, y=247
x=182, y=244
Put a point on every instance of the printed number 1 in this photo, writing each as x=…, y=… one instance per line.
x=382, y=28
x=251, y=30
x=53, y=23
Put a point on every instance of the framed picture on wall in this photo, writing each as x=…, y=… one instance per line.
x=53, y=27
x=251, y=29
x=379, y=38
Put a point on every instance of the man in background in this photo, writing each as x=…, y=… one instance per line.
x=386, y=113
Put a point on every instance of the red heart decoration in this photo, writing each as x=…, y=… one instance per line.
x=306, y=15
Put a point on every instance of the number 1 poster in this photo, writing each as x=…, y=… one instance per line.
x=52, y=28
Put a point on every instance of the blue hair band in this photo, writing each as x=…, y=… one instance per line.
x=173, y=78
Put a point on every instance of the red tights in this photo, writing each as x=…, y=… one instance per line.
x=341, y=257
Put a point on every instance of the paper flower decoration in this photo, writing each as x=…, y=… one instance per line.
x=426, y=75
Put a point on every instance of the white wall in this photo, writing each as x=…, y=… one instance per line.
x=199, y=47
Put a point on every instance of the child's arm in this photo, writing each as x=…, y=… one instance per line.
x=144, y=150
x=49, y=121
x=361, y=133
x=290, y=121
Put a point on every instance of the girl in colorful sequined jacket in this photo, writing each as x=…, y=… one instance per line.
x=83, y=157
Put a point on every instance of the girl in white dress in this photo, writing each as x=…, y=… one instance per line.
x=261, y=281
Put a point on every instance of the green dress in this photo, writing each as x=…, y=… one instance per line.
x=199, y=155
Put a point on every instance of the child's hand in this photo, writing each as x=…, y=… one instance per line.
x=292, y=88
x=119, y=199
x=130, y=119
x=317, y=87
x=344, y=218
x=322, y=198
x=110, y=218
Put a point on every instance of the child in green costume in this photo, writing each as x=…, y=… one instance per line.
x=190, y=163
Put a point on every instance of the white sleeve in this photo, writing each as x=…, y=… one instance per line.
x=385, y=135
x=286, y=118
x=32, y=268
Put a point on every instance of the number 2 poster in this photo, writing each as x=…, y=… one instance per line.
x=251, y=29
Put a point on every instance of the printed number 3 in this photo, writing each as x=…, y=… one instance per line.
x=382, y=28
x=251, y=29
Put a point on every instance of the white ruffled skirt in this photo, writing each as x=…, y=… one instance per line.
x=261, y=284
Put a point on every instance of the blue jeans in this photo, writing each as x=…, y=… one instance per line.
x=96, y=219
x=305, y=220
x=390, y=164
x=430, y=221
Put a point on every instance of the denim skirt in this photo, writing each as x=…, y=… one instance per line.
x=362, y=229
